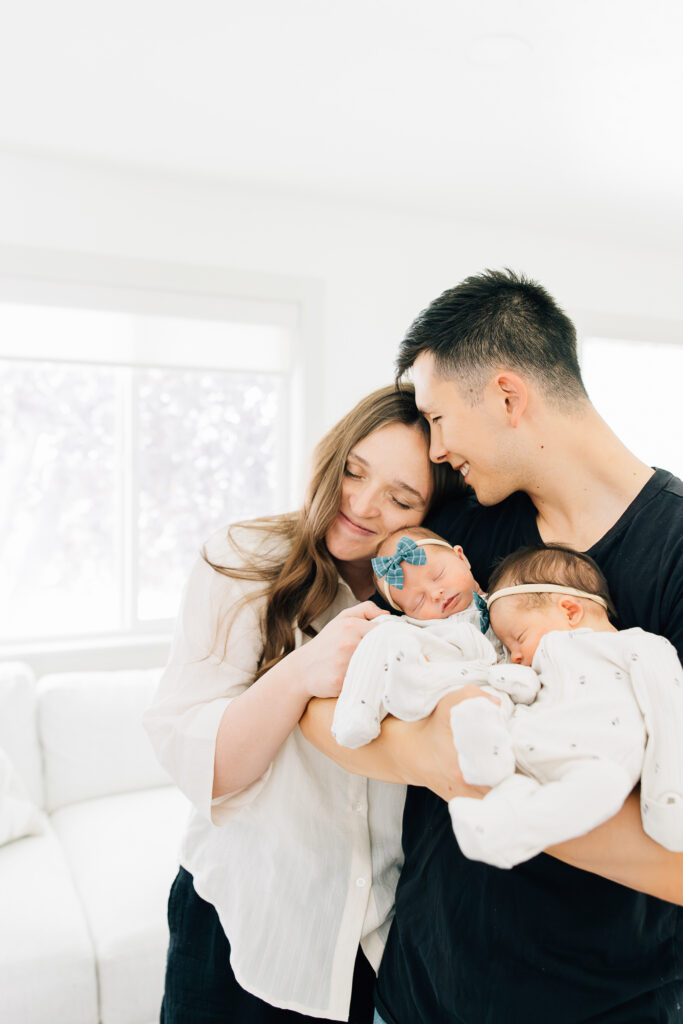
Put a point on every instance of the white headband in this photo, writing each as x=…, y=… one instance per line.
x=545, y=588
x=421, y=542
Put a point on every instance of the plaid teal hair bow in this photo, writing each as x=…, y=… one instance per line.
x=483, y=609
x=390, y=565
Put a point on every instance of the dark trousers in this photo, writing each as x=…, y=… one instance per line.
x=200, y=985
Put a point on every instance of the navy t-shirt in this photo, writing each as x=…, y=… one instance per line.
x=542, y=943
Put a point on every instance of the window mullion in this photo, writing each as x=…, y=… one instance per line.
x=129, y=499
x=283, y=487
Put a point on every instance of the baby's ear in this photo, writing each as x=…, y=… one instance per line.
x=573, y=609
x=461, y=554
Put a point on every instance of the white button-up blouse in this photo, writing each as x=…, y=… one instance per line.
x=302, y=864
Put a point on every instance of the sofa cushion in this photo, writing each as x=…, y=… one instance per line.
x=47, y=968
x=19, y=817
x=123, y=855
x=18, y=734
x=92, y=736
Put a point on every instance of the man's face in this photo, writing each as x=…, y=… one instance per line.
x=472, y=438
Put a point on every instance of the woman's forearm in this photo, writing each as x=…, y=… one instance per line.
x=255, y=725
x=620, y=850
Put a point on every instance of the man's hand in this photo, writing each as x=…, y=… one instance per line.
x=434, y=759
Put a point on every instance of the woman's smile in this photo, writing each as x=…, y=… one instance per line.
x=353, y=526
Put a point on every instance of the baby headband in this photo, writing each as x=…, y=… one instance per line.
x=387, y=568
x=545, y=588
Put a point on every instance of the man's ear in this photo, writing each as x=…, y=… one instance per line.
x=573, y=609
x=512, y=390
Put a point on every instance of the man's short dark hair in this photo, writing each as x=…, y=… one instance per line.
x=497, y=319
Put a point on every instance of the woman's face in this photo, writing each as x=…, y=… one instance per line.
x=387, y=484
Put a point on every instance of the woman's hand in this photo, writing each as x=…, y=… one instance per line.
x=321, y=664
x=257, y=723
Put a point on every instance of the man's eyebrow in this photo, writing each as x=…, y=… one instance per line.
x=397, y=483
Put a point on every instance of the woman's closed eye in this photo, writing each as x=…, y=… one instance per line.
x=401, y=504
x=354, y=475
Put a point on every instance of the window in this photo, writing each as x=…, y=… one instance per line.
x=127, y=435
x=634, y=385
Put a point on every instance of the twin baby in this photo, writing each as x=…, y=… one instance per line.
x=582, y=710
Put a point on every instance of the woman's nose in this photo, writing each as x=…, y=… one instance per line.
x=364, y=502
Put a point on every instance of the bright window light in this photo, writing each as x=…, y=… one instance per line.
x=120, y=457
x=635, y=386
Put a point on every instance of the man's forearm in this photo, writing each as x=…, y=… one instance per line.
x=419, y=753
x=621, y=851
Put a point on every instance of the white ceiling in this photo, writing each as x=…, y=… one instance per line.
x=546, y=112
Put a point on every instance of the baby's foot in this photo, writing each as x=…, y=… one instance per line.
x=482, y=741
x=356, y=725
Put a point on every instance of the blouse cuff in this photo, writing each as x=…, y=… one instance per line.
x=224, y=807
x=197, y=754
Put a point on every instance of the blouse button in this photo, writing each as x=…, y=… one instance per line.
x=360, y=882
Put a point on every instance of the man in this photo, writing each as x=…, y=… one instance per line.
x=594, y=931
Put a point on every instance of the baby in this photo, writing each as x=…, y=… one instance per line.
x=405, y=665
x=609, y=710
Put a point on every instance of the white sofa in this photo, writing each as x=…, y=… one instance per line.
x=89, y=835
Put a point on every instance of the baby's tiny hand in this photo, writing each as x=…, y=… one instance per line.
x=519, y=681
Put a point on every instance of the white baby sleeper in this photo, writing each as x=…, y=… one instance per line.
x=610, y=707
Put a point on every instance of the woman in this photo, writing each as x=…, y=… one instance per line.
x=276, y=912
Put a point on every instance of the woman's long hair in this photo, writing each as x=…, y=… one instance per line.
x=300, y=585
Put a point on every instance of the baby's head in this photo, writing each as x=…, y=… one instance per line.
x=543, y=588
x=438, y=582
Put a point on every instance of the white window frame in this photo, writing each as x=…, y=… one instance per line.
x=83, y=281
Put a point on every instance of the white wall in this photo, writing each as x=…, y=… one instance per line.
x=378, y=267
